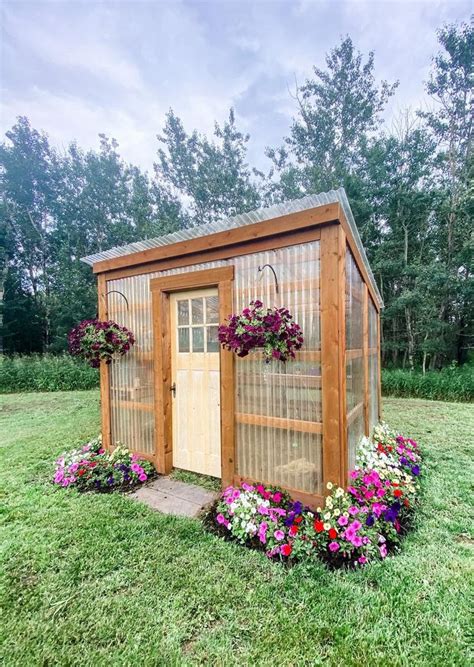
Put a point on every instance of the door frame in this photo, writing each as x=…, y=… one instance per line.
x=161, y=289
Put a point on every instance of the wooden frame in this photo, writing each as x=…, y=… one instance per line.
x=325, y=223
x=161, y=288
x=333, y=377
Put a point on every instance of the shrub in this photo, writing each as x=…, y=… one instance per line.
x=355, y=526
x=455, y=383
x=92, y=468
x=45, y=373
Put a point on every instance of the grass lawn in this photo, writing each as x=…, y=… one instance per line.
x=102, y=580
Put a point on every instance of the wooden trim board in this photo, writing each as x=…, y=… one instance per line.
x=106, y=426
x=228, y=252
x=235, y=236
x=161, y=288
x=332, y=346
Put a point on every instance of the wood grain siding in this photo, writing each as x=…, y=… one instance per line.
x=332, y=256
x=104, y=369
x=231, y=237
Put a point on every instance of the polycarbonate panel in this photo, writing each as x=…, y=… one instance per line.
x=290, y=391
x=354, y=357
x=373, y=366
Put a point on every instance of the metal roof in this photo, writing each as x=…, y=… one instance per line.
x=261, y=214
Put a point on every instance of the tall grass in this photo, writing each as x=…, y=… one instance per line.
x=449, y=384
x=45, y=372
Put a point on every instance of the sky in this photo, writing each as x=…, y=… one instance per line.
x=77, y=69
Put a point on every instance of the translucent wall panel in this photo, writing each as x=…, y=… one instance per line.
x=291, y=454
x=354, y=357
x=373, y=366
x=273, y=401
x=131, y=377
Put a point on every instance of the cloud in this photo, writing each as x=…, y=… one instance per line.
x=80, y=68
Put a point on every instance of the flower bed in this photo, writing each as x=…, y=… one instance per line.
x=357, y=525
x=92, y=468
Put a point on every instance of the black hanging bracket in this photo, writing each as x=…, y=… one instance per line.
x=269, y=266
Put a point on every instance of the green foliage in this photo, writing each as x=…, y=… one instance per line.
x=449, y=384
x=411, y=190
x=212, y=175
x=96, y=579
x=45, y=373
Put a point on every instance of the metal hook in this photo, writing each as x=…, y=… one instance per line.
x=117, y=292
x=260, y=269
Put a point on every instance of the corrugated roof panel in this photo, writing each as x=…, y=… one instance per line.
x=252, y=217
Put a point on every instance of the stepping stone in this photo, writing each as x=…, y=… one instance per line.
x=172, y=497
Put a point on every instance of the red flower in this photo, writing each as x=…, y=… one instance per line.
x=406, y=502
x=318, y=526
x=298, y=519
x=286, y=549
x=293, y=530
x=81, y=472
x=332, y=533
x=397, y=493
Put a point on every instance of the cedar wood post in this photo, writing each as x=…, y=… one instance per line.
x=104, y=368
x=333, y=372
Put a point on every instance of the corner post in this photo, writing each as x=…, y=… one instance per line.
x=365, y=351
x=104, y=368
x=333, y=352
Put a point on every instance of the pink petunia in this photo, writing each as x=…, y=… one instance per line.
x=383, y=550
x=277, y=497
x=220, y=518
x=362, y=560
x=353, y=510
x=262, y=509
x=334, y=546
x=357, y=541
x=343, y=520
x=143, y=477
x=279, y=535
x=356, y=525
x=354, y=474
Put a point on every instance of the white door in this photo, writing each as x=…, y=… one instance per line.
x=195, y=374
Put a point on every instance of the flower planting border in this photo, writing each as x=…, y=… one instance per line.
x=92, y=468
x=358, y=525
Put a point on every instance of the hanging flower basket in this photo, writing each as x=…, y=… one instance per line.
x=272, y=330
x=96, y=341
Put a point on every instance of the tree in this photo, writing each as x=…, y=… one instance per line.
x=211, y=177
x=338, y=110
x=451, y=123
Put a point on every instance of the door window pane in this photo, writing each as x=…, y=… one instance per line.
x=212, y=340
x=198, y=339
x=212, y=310
x=197, y=308
x=183, y=311
x=183, y=339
